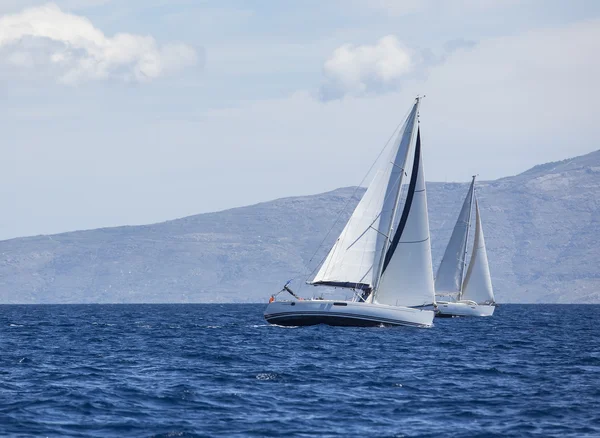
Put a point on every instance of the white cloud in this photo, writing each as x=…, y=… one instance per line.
x=360, y=70
x=69, y=47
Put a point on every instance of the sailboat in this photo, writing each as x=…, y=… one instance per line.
x=384, y=260
x=472, y=291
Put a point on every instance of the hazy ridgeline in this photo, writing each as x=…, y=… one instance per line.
x=542, y=231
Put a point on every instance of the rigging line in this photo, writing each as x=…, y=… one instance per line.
x=403, y=120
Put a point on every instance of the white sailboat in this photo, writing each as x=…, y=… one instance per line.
x=384, y=260
x=472, y=293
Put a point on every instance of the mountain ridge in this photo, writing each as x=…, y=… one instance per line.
x=542, y=227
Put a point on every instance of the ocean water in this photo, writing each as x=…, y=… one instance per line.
x=220, y=370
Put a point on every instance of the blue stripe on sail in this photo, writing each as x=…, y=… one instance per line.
x=346, y=284
x=409, y=198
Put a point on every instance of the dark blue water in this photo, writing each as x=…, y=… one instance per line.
x=219, y=370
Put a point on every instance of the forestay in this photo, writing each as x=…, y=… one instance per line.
x=478, y=282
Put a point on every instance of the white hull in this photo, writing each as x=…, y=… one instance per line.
x=344, y=313
x=445, y=309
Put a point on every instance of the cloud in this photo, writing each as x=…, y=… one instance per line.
x=362, y=70
x=69, y=47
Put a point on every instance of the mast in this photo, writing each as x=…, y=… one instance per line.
x=388, y=233
x=463, y=273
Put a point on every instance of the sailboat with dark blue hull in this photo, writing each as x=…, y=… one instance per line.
x=385, y=260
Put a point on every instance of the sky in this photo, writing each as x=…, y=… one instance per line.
x=139, y=111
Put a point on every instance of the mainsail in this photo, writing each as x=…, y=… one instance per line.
x=450, y=274
x=354, y=260
x=478, y=282
x=407, y=276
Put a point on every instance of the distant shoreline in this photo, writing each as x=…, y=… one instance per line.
x=249, y=304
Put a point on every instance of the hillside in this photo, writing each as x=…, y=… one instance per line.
x=542, y=230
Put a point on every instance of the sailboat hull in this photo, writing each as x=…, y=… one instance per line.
x=344, y=313
x=449, y=310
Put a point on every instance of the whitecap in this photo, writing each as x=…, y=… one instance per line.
x=266, y=376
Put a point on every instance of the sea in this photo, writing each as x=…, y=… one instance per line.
x=204, y=370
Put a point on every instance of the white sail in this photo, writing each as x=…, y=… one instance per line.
x=478, y=282
x=407, y=278
x=354, y=259
x=450, y=274
x=350, y=261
